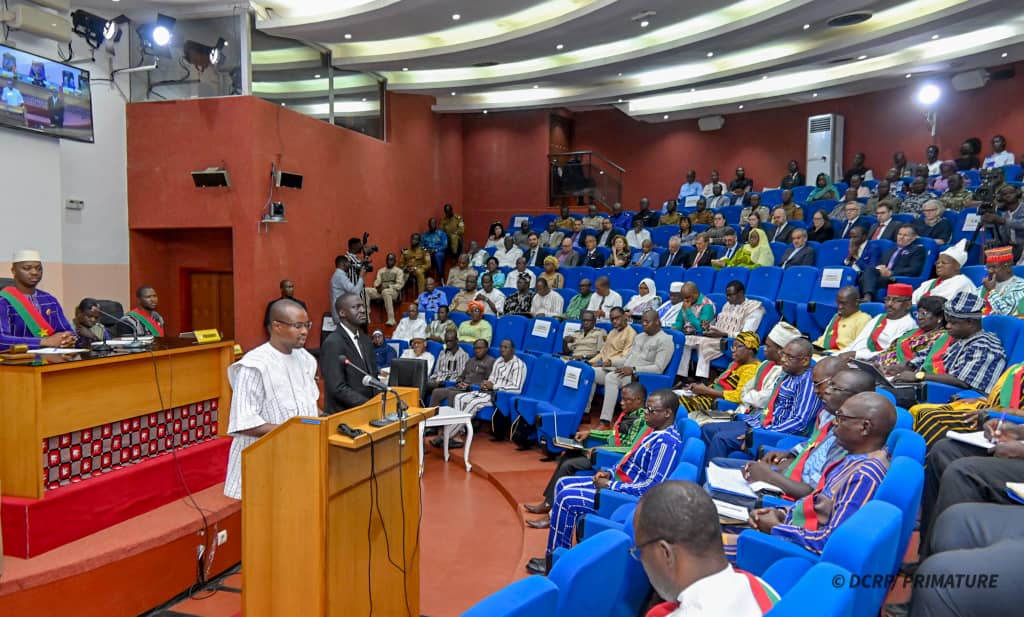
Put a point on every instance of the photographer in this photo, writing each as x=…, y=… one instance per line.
x=348, y=272
x=1002, y=221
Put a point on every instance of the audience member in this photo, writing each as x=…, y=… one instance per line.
x=534, y=252
x=999, y=157
x=551, y=274
x=418, y=351
x=883, y=329
x=508, y=253
x=411, y=326
x=432, y=298
x=931, y=158
x=521, y=236
x=564, y=221
x=671, y=216
x=580, y=301
x=821, y=227
x=883, y=195
x=917, y=197
x=645, y=300
x=348, y=274
x=793, y=210
x=968, y=158
x=857, y=184
x=956, y=197
x=900, y=167
x=603, y=299
x=607, y=234
x=491, y=270
x=695, y=314
x=455, y=228
x=415, y=261
x=477, y=256
x=1005, y=226
x=697, y=397
x=621, y=254
x=552, y=236
x=592, y=220
x=932, y=224
x=474, y=372
x=646, y=258
x=87, y=323
x=435, y=242
x=716, y=233
x=754, y=207
x=756, y=253
x=708, y=189
x=928, y=341
x=673, y=256
x=520, y=302
x=689, y=188
x=906, y=259
x=687, y=236
x=669, y=310
x=793, y=176
x=28, y=315
x=1002, y=290
x=741, y=181
x=753, y=221
x=451, y=362
x=703, y=254
x=651, y=352
x=476, y=328
x=799, y=254
x=718, y=199
x=823, y=189
x=567, y=257
x=948, y=280
x=635, y=237
x=546, y=303
x=858, y=169
x=783, y=230
x=520, y=272
x=847, y=323
x=460, y=302
x=618, y=342
x=441, y=325
x=852, y=218
x=755, y=395
x=492, y=298
x=647, y=217
x=885, y=228
x=619, y=218
x=507, y=375
x=461, y=273
x=585, y=343
x=287, y=288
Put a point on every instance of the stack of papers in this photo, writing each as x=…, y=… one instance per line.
x=731, y=512
x=732, y=481
x=977, y=438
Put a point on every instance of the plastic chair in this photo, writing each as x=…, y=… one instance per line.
x=795, y=290
x=535, y=340
x=702, y=276
x=816, y=588
x=977, y=274
x=873, y=308
x=771, y=197
x=569, y=402
x=597, y=563
x=764, y=282
x=528, y=597
x=665, y=276
x=778, y=250
x=573, y=276
x=546, y=374
x=662, y=233
x=731, y=214
x=902, y=488
x=833, y=253
x=511, y=327
x=728, y=275
x=619, y=278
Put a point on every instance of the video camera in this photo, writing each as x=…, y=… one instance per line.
x=368, y=251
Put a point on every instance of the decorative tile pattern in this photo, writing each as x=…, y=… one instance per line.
x=73, y=457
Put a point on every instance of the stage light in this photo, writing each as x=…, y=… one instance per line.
x=157, y=35
x=928, y=94
x=202, y=56
x=95, y=29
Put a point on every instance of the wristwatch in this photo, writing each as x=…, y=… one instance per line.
x=920, y=375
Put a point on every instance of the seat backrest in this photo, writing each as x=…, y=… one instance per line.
x=873, y=308
x=545, y=376
x=797, y=283
x=685, y=472
x=693, y=452
x=827, y=295
x=511, y=327
x=540, y=335
x=640, y=274
x=906, y=443
x=817, y=588
x=728, y=275
x=113, y=326
x=764, y=282
x=771, y=197
x=619, y=278
x=902, y=487
x=702, y=276
x=409, y=373
x=1005, y=327
x=571, y=398
x=6, y=282
x=771, y=315
x=778, y=250
x=731, y=214
x=665, y=276
x=596, y=563
x=449, y=291
x=661, y=234
x=434, y=348
x=528, y=597
x=866, y=543
x=977, y=274
x=573, y=276
x=833, y=253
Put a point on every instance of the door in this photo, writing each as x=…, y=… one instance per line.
x=212, y=302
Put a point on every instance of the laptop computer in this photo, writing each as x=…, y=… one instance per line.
x=565, y=442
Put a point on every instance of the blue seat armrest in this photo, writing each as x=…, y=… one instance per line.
x=592, y=442
x=506, y=403
x=756, y=551
x=450, y=384
x=962, y=394
x=940, y=393
x=655, y=381
x=789, y=442
x=724, y=404
x=774, y=502
x=766, y=438
x=604, y=458
x=610, y=501
x=561, y=550
x=592, y=524
x=527, y=408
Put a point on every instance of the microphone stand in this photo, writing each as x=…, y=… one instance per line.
x=136, y=343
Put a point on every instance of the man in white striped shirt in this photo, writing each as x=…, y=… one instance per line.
x=507, y=375
x=271, y=384
x=547, y=303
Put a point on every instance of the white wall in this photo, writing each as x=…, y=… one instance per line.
x=85, y=252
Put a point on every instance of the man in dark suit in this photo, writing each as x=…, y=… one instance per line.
x=607, y=233
x=343, y=385
x=535, y=253
x=703, y=255
x=799, y=254
x=907, y=259
x=592, y=259
x=567, y=257
x=674, y=255
x=885, y=228
x=783, y=231
x=863, y=255
x=852, y=210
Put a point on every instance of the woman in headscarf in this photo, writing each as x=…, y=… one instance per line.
x=755, y=253
x=476, y=327
x=823, y=189
x=646, y=299
x=928, y=339
x=551, y=274
x=729, y=384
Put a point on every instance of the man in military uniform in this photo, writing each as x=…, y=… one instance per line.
x=387, y=287
x=454, y=227
x=416, y=262
x=564, y=221
x=956, y=196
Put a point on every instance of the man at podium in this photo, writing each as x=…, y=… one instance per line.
x=271, y=384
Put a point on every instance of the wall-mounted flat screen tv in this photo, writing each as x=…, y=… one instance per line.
x=45, y=96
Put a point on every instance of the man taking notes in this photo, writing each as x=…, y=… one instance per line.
x=271, y=384
x=30, y=316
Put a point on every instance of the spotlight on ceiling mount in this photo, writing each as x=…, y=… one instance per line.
x=203, y=56
x=156, y=36
x=95, y=29
x=928, y=94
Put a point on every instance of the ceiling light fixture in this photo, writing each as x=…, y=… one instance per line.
x=814, y=95
x=364, y=99
x=665, y=117
x=862, y=57
x=1004, y=54
x=764, y=77
x=453, y=94
x=559, y=46
x=711, y=54
x=908, y=75
x=928, y=94
x=935, y=37
x=536, y=86
x=741, y=106
x=620, y=74
x=644, y=23
x=317, y=76
x=485, y=111
x=405, y=68
x=807, y=26
x=456, y=17
x=620, y=100
x=347, y=36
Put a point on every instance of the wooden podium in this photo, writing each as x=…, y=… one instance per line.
x=326, y=518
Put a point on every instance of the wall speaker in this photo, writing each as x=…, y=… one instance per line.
x=212, y=176
x=288, y=180
x=710, y=123
x=970, y=80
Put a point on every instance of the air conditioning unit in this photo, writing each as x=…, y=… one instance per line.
x=710, y=123
x=824, y=146
x=38, y=22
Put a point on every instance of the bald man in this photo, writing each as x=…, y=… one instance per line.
x=862, y=426
x=271, y=384
x=28, y=315
x=846, y=324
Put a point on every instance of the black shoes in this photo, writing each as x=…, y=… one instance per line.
x=537, y=565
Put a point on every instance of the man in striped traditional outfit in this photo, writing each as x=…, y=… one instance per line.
x=973, y=361
x=507, y=375
x=1001, y=290
x=756, y=393
x=862, y=427
x=28, y=315
x=651, y=459
x=739, y=314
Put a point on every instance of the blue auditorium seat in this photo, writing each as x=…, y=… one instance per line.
x=665, y=276
x=450, y=292
x=540, y=221
x=620, y=278
x=731, y=214
x=728, y=275
x=873, y=308
x=640, y=274
x=816, y=588
x=764, y=282
x=573, y=276
x=832, y=253
x=535, y=343
x=511, y=327
x=977, y=274
x=486, y=413
x=569, y=402
x=778, y=250
x=660, y=235
x=800, y=194
x=796, y=287
x=547, y=372
x=567, y=293
x=702, y=276
x=902, y=487
x=528, y=597
x=597, y=563
x=813, y=316
x=771, y=197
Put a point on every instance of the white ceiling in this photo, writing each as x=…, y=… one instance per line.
x=607, y=56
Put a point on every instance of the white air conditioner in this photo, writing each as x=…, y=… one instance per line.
x=824, y=146
x=38, y=22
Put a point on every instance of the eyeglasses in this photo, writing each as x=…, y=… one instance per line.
x=298, y=325
x=841, y=417
x=832, y=387
x=636, y=549
x=821, y=381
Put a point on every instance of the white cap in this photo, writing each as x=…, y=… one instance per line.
x=675, y=287
x=26, y=255
x=958, y=252
x=783, y=334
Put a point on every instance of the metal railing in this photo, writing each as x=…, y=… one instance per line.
x=582, y=178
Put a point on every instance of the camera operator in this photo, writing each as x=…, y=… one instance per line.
x=1002, y=220
x=348, y=272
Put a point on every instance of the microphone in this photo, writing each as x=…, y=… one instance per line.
x=136, y=343
x=372, y=382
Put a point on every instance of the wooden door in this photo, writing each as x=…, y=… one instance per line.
x=212, y=302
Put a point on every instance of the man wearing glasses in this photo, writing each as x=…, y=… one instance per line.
x=271, y=384
x=896, y=321
x=679, y=543
x=648, y=462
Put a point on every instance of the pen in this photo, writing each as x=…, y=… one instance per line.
x=999, y=425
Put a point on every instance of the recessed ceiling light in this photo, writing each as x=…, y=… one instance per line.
x=535, y=86
x=317, y=76
x=665, y=117
x=741, y=106
x=620, y=100
x=862, y=57
x=814, y=95
x=405, y=68
x=485, y=111
x=908, y=75
x=644, y=23
x=282, y=104
x=764, y=77
x=347, y=36
x=456, y=17
x=1003, y=55
x=453, y=94
x=364, y=99
x=693, y=89
x=807, y=26
x=620, y=74
x=935, y=36
x=711, y=54
x=559, y=46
